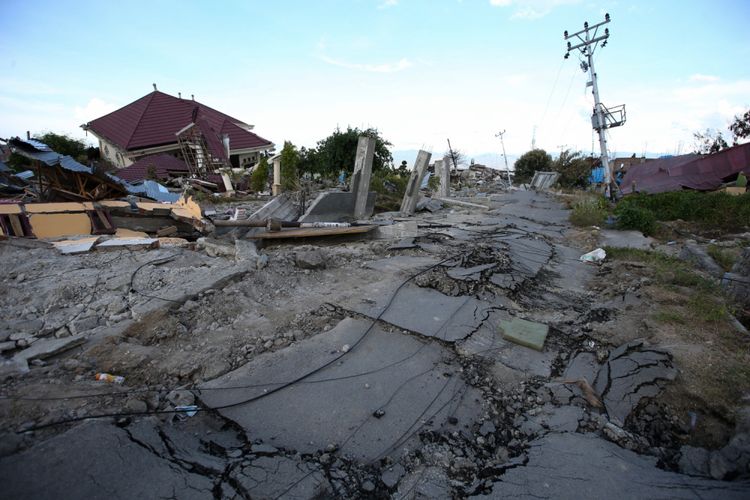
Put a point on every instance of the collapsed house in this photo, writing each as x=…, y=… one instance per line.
x=150, y=125
x=691, y=171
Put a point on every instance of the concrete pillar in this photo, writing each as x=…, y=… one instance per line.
x=445, y=177
x=360, y=185
x=411, y=195
x=276, y=188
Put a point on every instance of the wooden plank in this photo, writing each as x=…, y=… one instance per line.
x=52, y=208
x=15, y=223
x=167, y=231
x=103, y=218
x=6, y=209
x=56, y=225
x=311, y=233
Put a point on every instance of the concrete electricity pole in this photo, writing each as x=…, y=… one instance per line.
x=602, y=118
x=505, y=157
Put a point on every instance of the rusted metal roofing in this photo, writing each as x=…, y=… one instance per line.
x=702, y=173
x=154, y=119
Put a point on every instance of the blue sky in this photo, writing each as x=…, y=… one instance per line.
x=420, y=71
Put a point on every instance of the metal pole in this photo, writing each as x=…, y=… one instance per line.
x=600, y=120
x=505, y=157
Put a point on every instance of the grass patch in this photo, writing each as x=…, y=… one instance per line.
x=670, y=316
x=710, y=210
x=589, y=212
x=725, y=257
x=390, y=187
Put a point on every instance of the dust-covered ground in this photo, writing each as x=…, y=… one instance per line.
x=369, y=368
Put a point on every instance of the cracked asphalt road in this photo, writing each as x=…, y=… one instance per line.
x=394, y=385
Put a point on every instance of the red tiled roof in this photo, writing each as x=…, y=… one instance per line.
x=163, y=164
x=154, y=119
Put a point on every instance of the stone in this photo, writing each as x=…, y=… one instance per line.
x=368, y=486
x=7, y=346
x=136, y=406
x=181, y=398
x=85, y=324
x=263, y=449
x=392, y=475
x=694, y=461
x=312, y=259
x=525, y=333
x=486, y=428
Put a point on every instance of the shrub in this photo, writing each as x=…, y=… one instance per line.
x=259, y=177
x=633, y=217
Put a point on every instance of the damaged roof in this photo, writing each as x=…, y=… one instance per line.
x=164, y=166
x=691, y=171
x=154, y=119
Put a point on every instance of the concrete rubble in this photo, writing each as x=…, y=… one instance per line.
x=374, y=365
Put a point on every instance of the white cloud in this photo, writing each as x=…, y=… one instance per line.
x=400, y=65
x=531, y=9
x=93, y=109
x=698, y=77
x=387, y=3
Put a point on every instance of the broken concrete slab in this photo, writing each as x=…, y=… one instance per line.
x=129, y=243
x=71, y=247
x=281, y=477
x=401, y=263
x=46, y=348
x=337, y=403
x=525, y=333
x=404, y=244
x=632, y=372
x=428, y=312
x=399, y=230
x=335, y=206
x=360, y=183
x=473, y=273
x=411, y=193
x=574, y=466
x=625, y=239
x=692, y=252
x=107, y=464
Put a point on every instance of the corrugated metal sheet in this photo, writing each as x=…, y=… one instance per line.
x=702, y=173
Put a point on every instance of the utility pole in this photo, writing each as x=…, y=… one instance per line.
x=533, y=138
x=602, y=117
x=505, y=157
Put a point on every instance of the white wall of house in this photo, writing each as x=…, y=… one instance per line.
x=113, y=154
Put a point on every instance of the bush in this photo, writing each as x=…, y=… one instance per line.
x=589, y=212
x=712, y=210
x=259, y=177
x=641, y=219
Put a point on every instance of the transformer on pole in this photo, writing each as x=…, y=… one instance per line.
x=602, y=117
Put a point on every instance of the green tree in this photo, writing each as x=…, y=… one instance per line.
x=289, y=163
x=338, y=151
x=740, y=127
x=536, y=160
x=573, y=167
x=64, y=144
x=259, y=177
x=709, y=142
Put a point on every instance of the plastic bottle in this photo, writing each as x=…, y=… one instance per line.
x=107, y=377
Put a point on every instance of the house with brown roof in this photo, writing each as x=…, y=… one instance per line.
x=149, y=126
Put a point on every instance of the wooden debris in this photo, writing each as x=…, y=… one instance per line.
x=588, y=392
